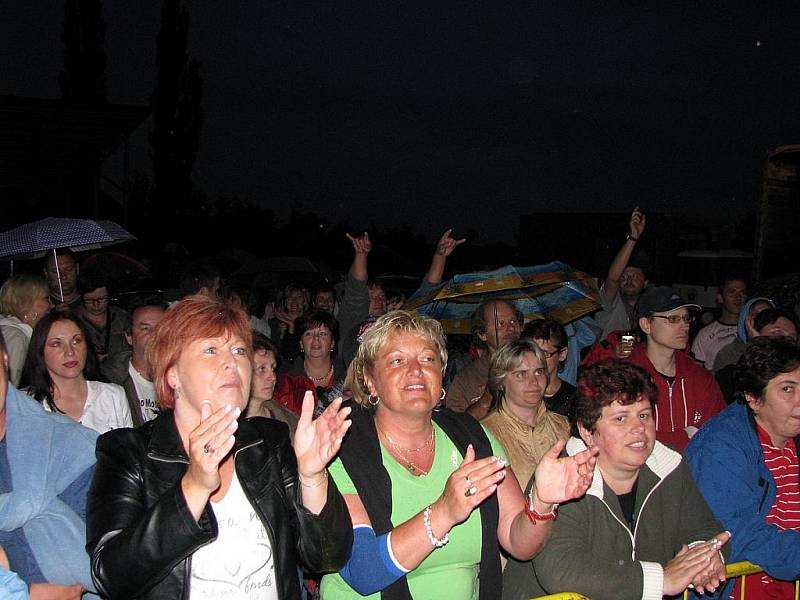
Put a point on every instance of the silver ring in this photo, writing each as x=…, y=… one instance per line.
x=207, y=449
x=471, y=491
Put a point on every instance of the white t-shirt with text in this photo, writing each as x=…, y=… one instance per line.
x=146, y=392
x=238, y=565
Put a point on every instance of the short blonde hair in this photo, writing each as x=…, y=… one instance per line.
x=507, y=358
x=396, y=321
x=19, y=292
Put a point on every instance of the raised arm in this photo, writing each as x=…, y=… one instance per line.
x=362, y=246
x=636, y=227
x=444, y=248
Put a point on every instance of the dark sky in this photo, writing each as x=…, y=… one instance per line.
x=460, y=114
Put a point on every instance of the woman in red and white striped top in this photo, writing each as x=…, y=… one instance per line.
x=745, y=463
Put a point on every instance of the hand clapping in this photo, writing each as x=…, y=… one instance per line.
x=317, y=441
x=561, y=479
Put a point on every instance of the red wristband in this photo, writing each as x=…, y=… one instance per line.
x=535, y=516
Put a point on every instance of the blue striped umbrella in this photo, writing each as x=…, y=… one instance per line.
x=551, y=291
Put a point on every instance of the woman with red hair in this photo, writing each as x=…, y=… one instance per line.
x=200, y=501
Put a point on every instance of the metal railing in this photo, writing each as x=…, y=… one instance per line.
x=738, y=569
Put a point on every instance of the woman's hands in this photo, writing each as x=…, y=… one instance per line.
x=317, y=441
x=467, y=487
x=561, y=479
x=700, y=565
x=209, y=444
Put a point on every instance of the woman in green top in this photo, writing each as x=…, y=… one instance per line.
x=412, y=477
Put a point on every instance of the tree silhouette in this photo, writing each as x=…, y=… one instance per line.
x=83, y=79
x=177, y=112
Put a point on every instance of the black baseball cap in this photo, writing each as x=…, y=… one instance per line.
x=657, y=299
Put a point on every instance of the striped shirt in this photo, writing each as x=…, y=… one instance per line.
x=784, y=514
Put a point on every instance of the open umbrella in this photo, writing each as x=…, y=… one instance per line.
x=551, y=291
x=33, y=240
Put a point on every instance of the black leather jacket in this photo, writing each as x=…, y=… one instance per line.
x=141, y=534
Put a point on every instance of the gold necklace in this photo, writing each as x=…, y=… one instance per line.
x=324, y=377
x=412, y=467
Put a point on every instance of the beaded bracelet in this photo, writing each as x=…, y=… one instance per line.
x=426, y=519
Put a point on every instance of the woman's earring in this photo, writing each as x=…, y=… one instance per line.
x=373, y=400
x=441, y=401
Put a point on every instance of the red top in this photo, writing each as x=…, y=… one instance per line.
x=290, y=389
x=784, y=514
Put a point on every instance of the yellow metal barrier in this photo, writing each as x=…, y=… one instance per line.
x=739, y=569
x=562, y=596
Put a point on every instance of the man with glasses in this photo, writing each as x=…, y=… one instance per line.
x=494, y=323
x=105, y=323
x=624, y=283
x=688, y=395
x=551, y=337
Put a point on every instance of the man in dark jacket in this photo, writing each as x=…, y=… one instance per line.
x=130, y=368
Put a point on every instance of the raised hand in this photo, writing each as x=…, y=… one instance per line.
x=561, y=479
x=209, y=444
x=637, y=222
x=446, y=243
x=361, y=244
x=316, y=441
x=469, y=485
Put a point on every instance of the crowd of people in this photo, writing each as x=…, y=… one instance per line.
x=323, y=442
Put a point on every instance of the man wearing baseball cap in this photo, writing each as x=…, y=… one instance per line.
x=688, y=394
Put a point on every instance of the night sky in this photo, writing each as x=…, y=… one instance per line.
x=460, y=114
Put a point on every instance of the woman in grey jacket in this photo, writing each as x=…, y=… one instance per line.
x=642, y=530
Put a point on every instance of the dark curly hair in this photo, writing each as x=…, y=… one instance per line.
x=764, y=359
x=607, y=381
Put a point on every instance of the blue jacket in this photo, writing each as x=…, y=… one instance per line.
x=727, y=463
x=46, y=465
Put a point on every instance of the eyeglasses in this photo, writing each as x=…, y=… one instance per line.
x=102, y=300
x=551, y=354
x=502, y=323
x=675, y=319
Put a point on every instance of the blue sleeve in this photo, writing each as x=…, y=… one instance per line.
x=75, y=494
x=11, y=586
x=371, y=567
x=735, y=492
x=20, y=556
